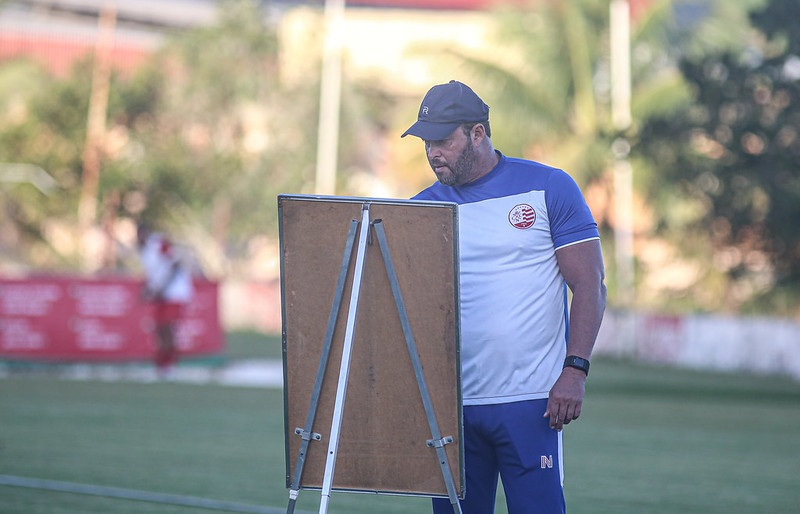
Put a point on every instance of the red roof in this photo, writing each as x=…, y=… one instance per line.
x=58, y=53
x=454, y=5
x=636, y=6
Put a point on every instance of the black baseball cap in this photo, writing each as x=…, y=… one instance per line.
x=445, y=108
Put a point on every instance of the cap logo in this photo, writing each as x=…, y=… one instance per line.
x=425, y=110
x=522, y=216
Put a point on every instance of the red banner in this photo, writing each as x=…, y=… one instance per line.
x=78, y=319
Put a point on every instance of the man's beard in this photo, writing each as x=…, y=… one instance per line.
x=461, y=170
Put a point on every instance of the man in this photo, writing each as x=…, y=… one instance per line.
x=168, y=284
x=525, y=235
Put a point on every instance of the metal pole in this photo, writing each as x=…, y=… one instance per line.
x=620, y=64
x=623, y=173
x=344, y=368
x=306, y=433
x=96, y=124
x=437, y=442
x=330, y=99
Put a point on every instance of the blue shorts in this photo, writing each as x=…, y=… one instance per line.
x=515, y=442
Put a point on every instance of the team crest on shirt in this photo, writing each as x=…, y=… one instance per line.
x=522, y=216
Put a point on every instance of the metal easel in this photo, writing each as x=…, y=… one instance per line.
x=437, y=441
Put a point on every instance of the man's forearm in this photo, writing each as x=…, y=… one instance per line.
x=586, y=315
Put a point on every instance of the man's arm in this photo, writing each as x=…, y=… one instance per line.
x=581, y=265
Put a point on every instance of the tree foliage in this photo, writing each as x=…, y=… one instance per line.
x=43, y=125
x=733, y=153
x=542, y=87
x=205, y=122
x=209, y=131
x=199, y=141
x=550, y=93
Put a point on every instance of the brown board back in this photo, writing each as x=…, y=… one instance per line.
x=384, y=432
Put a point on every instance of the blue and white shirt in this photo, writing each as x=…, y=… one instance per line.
x=514, y=312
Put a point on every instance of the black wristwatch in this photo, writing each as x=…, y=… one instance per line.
x=576, y=362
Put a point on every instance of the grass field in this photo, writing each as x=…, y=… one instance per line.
x=650, y=440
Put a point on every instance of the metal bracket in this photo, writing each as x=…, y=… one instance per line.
x=439, y=443
x=307, y=436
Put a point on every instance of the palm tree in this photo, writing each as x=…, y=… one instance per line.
x=547, y=78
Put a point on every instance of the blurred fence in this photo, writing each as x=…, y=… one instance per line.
x=759, y=345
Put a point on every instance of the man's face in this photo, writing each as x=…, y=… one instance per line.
x=452, y=159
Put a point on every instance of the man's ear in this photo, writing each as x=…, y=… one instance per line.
x=478, y=132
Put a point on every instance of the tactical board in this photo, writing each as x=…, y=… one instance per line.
x=384, y=431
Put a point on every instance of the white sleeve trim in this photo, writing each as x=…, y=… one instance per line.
x=578, y=242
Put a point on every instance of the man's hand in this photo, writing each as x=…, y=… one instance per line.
x=566, y=398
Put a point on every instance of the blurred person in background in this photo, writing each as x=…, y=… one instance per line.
x=168, y=285
x=525, y=235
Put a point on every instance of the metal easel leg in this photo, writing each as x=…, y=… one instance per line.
x=306, y=432
x=344, y=369
x=438, y=442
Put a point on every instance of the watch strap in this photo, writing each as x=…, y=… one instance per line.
x=573, y=361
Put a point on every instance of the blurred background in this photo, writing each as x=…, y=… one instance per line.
x=680, y=120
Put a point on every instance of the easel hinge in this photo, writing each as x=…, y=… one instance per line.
x=306, y=435
x=439, y=443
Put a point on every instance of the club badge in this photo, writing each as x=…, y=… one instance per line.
x=522, y=216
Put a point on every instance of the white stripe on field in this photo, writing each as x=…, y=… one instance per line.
x=136, y=495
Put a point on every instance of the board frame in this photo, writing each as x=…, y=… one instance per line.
x=384, y=430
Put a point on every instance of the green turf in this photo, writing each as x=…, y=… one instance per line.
x=252, y=345
x=664, y=441
x=650, y=440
